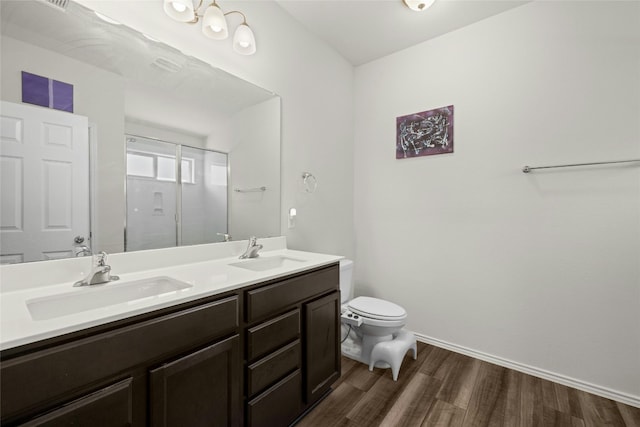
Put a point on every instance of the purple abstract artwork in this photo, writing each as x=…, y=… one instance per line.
x=46, y=92
x=425, y=134
x=35, y=89
x=62, y=96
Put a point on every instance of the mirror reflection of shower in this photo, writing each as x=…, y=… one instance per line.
x=176, y=195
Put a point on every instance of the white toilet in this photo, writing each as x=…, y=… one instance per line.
x=367, y=321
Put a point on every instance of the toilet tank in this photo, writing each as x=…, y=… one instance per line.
x=346, y=280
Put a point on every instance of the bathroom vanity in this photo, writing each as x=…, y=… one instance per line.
x=259, y=354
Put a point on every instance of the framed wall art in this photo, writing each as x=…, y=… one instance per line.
x=425, y=134
x=47, y=92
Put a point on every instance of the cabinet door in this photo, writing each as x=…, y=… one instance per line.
x=109, y=407
x=322, y=345
x=200, y=389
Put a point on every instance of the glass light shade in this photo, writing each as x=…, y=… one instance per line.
x=214, y=24
x=418, y=5
x=180, y=10
x=244, y=41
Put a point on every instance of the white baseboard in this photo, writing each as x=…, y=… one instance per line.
x=625, y=398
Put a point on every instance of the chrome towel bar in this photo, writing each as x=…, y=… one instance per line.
x=250, y=190
x=528, y=169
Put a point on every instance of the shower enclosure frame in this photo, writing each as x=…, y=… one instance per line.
x=178, y=170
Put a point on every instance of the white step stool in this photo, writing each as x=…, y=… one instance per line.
x=392, y=352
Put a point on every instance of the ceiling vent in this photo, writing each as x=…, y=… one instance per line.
x=57, y=4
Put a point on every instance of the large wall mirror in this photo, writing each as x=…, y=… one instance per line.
x=161, y=149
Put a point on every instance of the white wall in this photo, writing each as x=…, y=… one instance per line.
x=541, y=269
x=316, y=86
x=107, y=115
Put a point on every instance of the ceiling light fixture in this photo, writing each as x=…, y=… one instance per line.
x=418, y=5
x=214, y=23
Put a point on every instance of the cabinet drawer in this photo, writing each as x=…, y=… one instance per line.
x=111, y=406
x=268, y=336
x=271, y=299
x=278, y=406
x=270, y=369
x=69, y=368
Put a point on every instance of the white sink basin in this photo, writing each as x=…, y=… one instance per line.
x=98, y=296
x=268, y=263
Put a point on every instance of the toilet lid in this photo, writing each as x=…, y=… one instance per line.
x=377, y=308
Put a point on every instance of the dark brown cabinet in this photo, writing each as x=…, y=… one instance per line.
x=257, y=356
x=200, y=389
x=270, y=335
x=270, y=369
x=279, y=406
x=322, y=345
x=111, y=406
x=65, y=381
x=293, y=348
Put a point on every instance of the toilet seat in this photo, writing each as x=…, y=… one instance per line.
x=378, y=309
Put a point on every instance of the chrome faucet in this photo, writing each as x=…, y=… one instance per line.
x=101, y=273
x=83, y=250
x=252, y=249
x=225, y=236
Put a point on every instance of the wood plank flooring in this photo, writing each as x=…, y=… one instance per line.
x=447, y=389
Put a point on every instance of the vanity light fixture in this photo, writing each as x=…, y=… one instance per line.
x=418, y=5
x=214, y=23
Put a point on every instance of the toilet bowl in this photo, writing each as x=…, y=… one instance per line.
x=366, y=320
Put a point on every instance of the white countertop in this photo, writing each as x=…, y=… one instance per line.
x=207, y=278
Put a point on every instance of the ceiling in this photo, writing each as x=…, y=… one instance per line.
x=364, y=30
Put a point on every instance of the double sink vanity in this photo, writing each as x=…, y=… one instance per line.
x=188, y=336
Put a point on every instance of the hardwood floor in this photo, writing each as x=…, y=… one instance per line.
x=442, y=388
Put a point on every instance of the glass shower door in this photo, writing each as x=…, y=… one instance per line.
x=203, y=196
x=151, y=194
